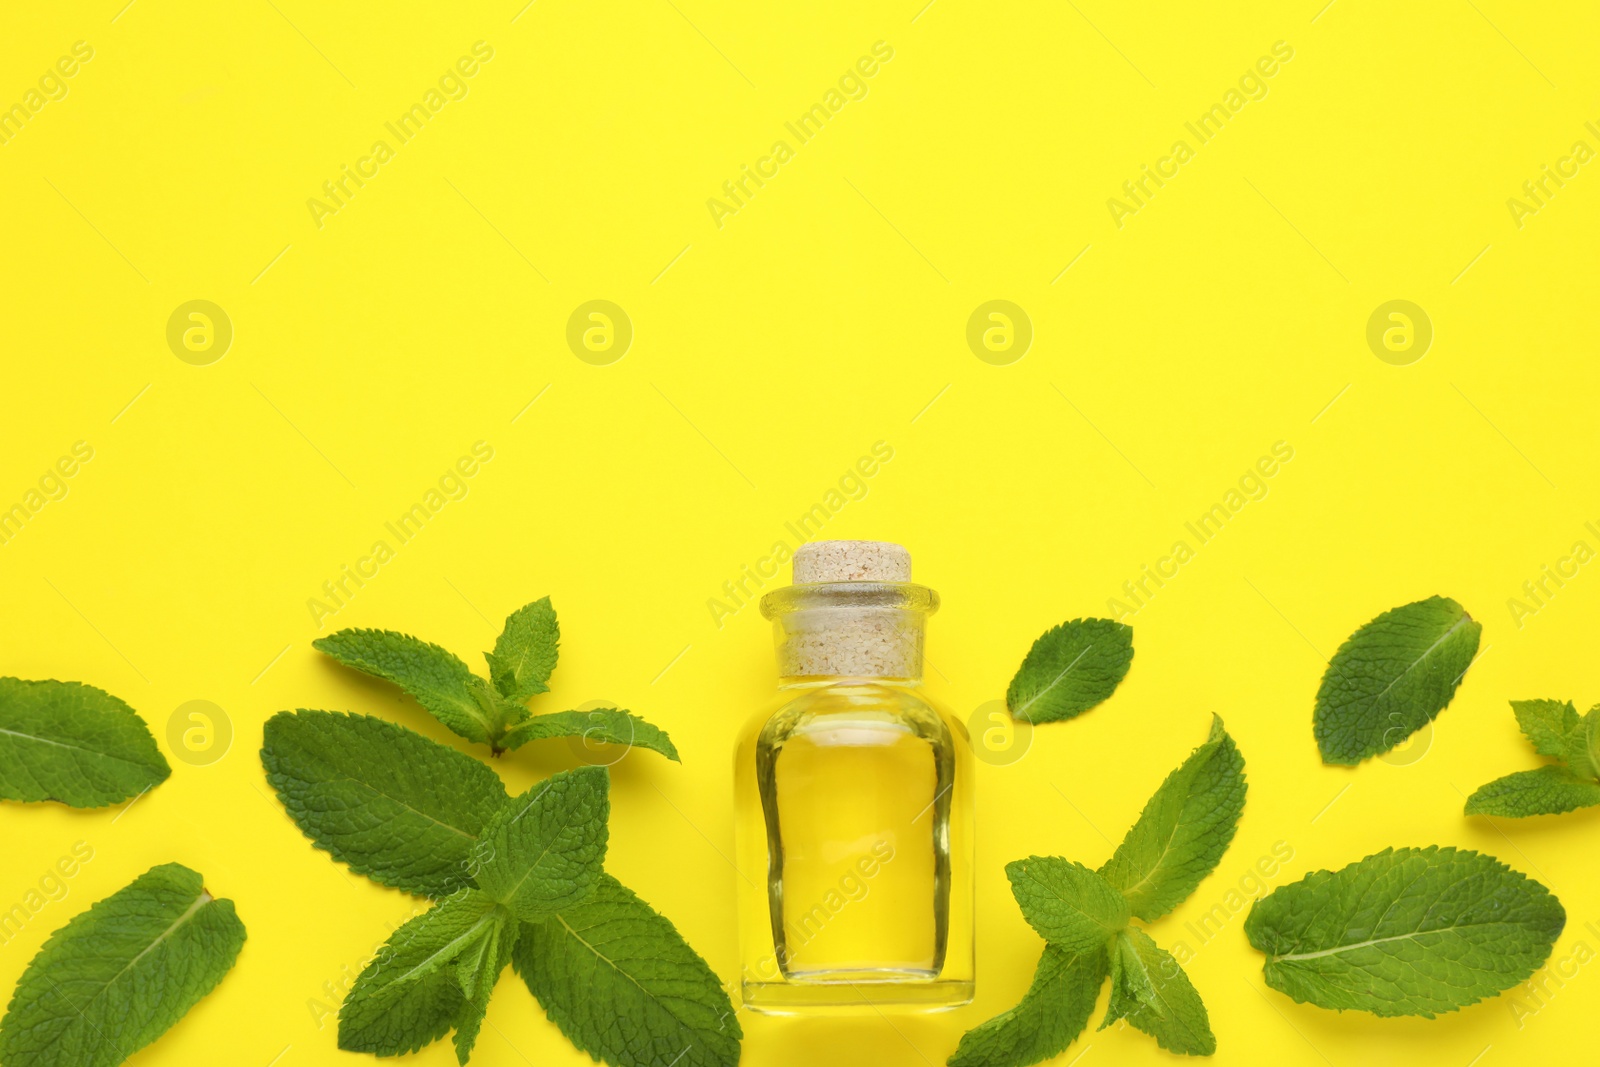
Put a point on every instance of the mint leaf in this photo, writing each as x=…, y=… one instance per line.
x=608, y=725
x=1411, y=931
x=1067, y=903
x=1555, y=729
x=397, y=807
x=1582, y=751
x=477, y=972
x=624, y=987
x=73, y=743
x=428, y=674
x=410, y=993
x=1184, y=829
x=119, y=975
x=1051, y=1015
x=541, y=852
x=1150, y=990
x=525, y=653
x=1547, y=724
x=1392, y=677
x=1546, y=791
x=1070, y=669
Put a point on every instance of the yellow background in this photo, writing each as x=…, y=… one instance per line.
x=768, y=355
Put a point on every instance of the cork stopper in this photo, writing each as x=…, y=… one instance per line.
x=852, y=612
x=851, y=561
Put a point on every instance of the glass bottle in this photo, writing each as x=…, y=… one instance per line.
x=854, y=801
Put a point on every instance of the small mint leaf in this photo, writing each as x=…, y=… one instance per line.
x=73, y=743
x=1546, y=724
x=1050, y=1016
x=1067, y=903
x=1547, y=791
x=428, y=674
x=1150, y=990
x=525, y=653
x=409, y=995
x=1070, y=669
x=477, y=975
x=1391, y=677
x=121, y=974
x=1582, y=753
x=611, y=726
x=542, y=851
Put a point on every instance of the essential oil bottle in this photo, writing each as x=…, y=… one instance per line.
x=854, y=801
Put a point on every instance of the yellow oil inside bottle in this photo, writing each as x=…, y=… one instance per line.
x=860, y=893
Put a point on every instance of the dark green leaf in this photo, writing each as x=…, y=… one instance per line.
x=431, y=676
x=121, y=974
x=1546, y=791
x=1392, y=677
x=1070, y=669
x=397, y=807
x=1410, y=931
x=73, y=743
x=624, y=987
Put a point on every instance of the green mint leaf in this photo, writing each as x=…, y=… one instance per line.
x=1050, y=1016
x=1183, y=831
x=1410, y=931
x=73, y=743
x=1132, y=986
x=1392, y=677
x=397, y=807
x=1546, y=791
x=1547, y=724
x=1067, y=903
x=1070, y=669
x=410, y=993
x=541, y=852
x=476, y=973
x=1582, y=752
x=623, y=986
x=525, y=653
x=431, y=676
x=1150, y=990
x=611, y=726
x=119, y=975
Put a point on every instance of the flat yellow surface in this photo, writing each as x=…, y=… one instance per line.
x=774, y=340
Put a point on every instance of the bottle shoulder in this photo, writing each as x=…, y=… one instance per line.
x=794, y=708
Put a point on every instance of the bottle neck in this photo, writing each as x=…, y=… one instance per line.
x=830, y=632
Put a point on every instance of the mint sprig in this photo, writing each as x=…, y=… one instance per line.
x=75, y=744
x=1408, y=931
x=122, y=973
x=1392, y=677
x=495, y=712
x=1556, y=730
x=515, y=880
x=1070, y=669
x=1178, y=840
